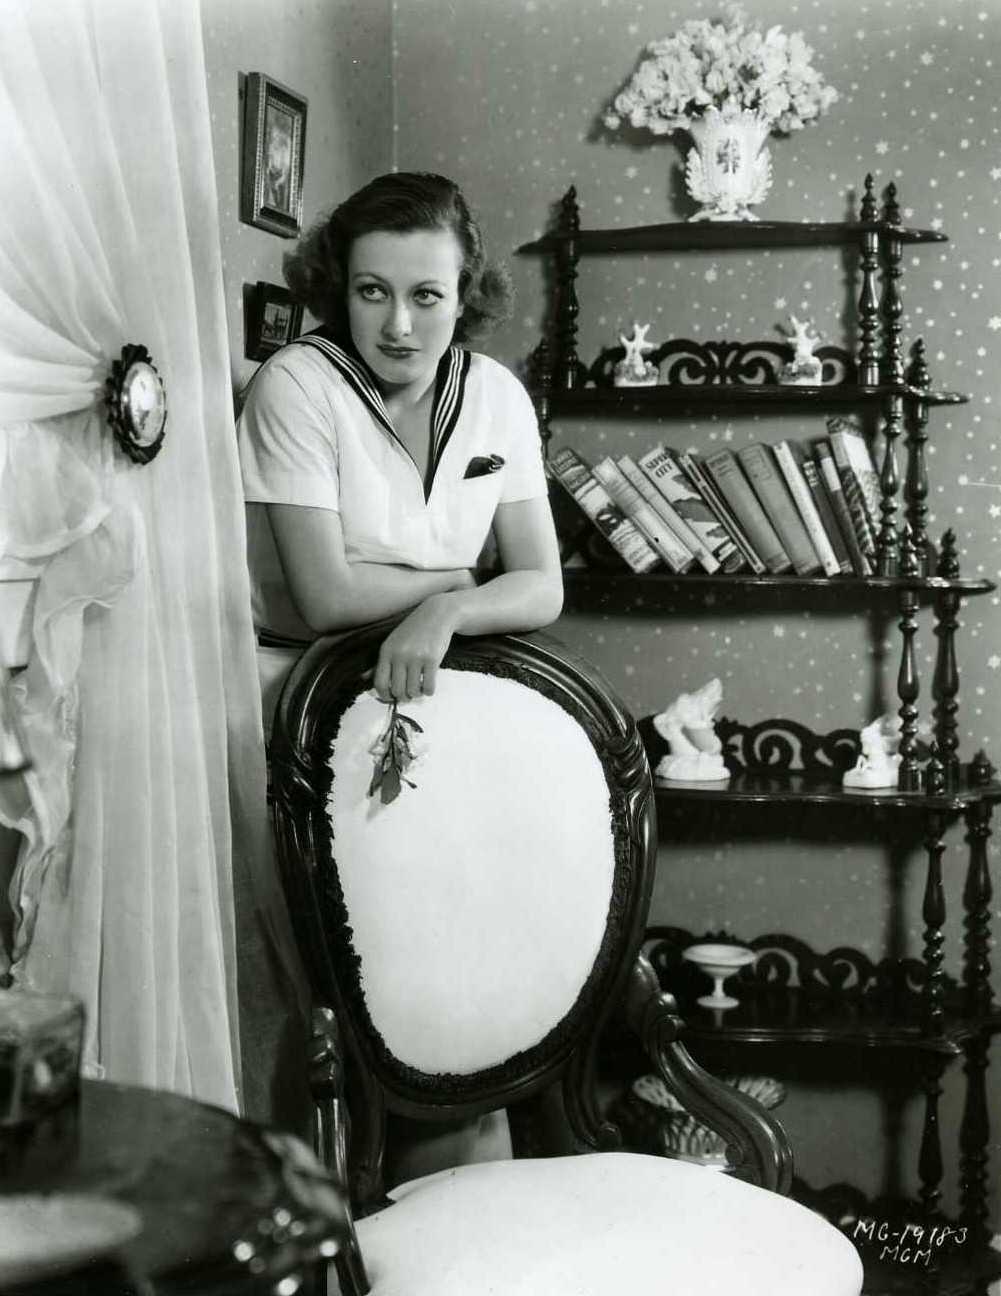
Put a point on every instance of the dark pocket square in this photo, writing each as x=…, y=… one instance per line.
x=480, y=465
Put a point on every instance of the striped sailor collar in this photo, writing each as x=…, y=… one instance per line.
x=449, y=391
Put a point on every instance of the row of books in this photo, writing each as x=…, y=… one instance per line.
x=787, y=507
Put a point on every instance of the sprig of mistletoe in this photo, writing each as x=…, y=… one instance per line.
x=393, y=756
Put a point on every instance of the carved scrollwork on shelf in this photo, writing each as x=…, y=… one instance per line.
x=684, y=362
x=770, y=746
x=786, y=963
x=783, y=745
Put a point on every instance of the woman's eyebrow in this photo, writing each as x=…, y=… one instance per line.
x=421, y=283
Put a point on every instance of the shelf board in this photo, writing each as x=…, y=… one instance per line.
x=793, y=787
x=682, y=235
x=661, y=397
x=794, y=994
x=622, y=591
x=776, y=1016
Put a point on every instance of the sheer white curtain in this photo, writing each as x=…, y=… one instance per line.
x=140, y=700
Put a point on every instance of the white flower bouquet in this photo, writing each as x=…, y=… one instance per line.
x=730, y=66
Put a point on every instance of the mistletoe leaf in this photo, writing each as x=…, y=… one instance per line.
x=390, y=787
x=409, y=720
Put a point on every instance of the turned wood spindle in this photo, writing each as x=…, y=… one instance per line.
x=540, y=373
x=977, y=896
x=930, y=1164
x=933, y=914
x=891, y=305
x=568, y=370
x=974, y=1134
x=945, y=682
x=909, y=779
x=916, y=488
x=891, y=310
x=868, y=304
x=887, y=559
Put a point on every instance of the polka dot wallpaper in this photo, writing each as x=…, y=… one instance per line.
x=507, y=96
x=337, y=57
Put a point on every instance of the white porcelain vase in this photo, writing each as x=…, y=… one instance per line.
x=729, y=169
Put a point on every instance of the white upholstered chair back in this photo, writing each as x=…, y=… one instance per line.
x=478, y=897
x=469, y=931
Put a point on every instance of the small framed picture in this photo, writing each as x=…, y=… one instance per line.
x=274, y=148
x=272, y=320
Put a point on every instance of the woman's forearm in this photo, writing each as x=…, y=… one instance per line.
x=371, y=591
x=514, y=600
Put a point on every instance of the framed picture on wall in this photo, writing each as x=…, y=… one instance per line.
x=272, y=319
x=274, y=149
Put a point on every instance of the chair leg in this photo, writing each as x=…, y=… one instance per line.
x=351, y=1275
x=330, y=1138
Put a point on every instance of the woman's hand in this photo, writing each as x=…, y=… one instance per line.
x=411, y=653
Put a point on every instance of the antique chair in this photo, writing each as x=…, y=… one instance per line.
x=466, y=941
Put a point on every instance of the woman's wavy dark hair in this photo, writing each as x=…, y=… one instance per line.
x=316, y=272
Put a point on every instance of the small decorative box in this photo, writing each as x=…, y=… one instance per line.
x=41, y=1038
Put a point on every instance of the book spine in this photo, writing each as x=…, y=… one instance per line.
x=668, y=478
x=822, y=501
x=773, y=495
x=667, y=513
x=705, y=485
x=736, y=489
x=839, y=505
x=572, y=473
x=803, y=499
x=853, y=497
x=639, y=512
x=846, y=433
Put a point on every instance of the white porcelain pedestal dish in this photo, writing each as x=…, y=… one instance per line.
x=720, y=961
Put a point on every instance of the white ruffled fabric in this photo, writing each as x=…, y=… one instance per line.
x=139, y=699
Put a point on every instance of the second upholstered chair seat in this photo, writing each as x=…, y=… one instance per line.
x=601, y=1225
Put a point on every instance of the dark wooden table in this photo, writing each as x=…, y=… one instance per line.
x=226, y=1206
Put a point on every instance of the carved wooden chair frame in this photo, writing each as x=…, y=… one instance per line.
x=326, y=678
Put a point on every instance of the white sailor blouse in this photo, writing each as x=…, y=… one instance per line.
x=314, y=431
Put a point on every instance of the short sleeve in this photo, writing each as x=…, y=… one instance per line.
x=524, y=476
x=286, y=437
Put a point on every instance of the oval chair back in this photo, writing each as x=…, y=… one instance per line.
x=468, y=874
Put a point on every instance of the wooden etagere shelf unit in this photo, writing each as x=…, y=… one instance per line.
x=935, y=786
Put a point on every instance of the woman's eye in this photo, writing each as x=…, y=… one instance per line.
x=427, y=296
x=371, y=291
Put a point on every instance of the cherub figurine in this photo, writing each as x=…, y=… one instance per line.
x=687, y=726
x=804, y=368
x=633, y=370
x=879, y=761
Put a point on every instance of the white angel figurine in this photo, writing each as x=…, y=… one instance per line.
x=633, y=370
x=879, y=761
x=687, y=726
x=804, y=369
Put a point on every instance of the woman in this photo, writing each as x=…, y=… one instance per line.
x=379, y=455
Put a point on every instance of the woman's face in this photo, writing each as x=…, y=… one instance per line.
x=403, y=303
